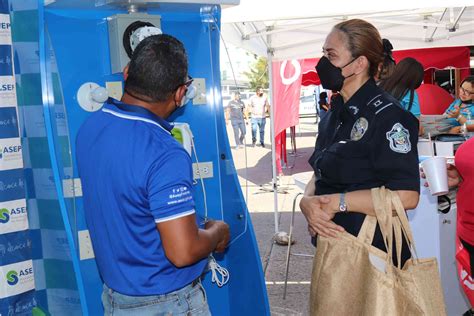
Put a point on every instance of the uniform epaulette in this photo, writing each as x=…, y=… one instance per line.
x=379, y=103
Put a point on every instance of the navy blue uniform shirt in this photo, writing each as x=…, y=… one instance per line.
x=367, y=142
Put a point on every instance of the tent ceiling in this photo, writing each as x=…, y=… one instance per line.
x=293, y=34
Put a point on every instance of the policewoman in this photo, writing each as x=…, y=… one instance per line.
x=366, y=140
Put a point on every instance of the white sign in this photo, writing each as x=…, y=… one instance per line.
x=16, y=278
x=10, y=154
x=13, y=216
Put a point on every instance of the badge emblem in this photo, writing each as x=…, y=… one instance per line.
x=359, y=128
x=399, y=139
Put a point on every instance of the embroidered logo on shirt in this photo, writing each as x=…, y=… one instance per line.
x=359, y=128
x=354, y=109
x=399, y=139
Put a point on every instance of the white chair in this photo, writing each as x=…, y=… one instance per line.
x=288, y=252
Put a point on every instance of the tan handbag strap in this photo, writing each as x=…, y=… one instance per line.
x=404, y=223
x=398, y=240
x=383, y=213
x=367, y=231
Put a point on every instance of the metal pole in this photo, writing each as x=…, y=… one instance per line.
x=272, y=131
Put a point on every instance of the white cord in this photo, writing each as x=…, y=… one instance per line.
x=201, y=178
x=217, y=270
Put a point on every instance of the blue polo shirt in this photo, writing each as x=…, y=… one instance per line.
x=134, y=175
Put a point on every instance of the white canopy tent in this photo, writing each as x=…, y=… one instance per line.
x=296, y=29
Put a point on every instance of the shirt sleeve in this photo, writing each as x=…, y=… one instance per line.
x=450, y=107
x=170, y=186
x=415, y=108
x=395, y=153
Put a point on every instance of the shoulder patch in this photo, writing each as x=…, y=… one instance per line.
x=399, y=139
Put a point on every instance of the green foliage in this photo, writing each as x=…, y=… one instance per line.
x=258, y=74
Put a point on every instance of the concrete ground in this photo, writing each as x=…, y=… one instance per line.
x=253, y=165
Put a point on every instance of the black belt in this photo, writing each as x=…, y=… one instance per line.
x=196, y=281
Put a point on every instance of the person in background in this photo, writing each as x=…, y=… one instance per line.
x=259, y=107
x=137, y=183
x=405, y=79
x=461, y=111
x=366, y=141
x=388, y=64
x=461, y=175
x=323, y=104
x=236, y=114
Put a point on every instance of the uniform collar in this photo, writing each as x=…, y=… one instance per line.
x=135, y=111
x=359, y=99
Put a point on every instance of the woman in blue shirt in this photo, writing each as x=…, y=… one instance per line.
x=462, y=110
x=405, y=79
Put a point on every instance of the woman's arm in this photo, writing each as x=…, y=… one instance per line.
x=319, y=221
x=361, y=201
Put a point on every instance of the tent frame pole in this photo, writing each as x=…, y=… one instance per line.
x=272, y=132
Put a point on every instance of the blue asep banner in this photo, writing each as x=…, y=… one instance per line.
x=17, y=282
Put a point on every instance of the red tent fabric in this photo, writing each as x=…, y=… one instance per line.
x=310, y=77
x=433, y=99
x=430, y=58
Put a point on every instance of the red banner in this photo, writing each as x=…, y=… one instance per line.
x=286, y=94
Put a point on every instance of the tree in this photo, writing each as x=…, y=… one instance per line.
x=258, y=74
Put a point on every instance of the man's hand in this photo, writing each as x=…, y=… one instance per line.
x=222, y=231
x=319, y=213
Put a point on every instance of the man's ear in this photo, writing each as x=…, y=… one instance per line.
x=180, y=93
x=125, y=72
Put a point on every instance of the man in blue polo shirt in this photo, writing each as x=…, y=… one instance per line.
x=137, y=188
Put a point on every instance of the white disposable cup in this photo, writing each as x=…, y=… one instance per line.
x=436, y=174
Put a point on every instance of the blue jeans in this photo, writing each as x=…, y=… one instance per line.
x=190, y=300
x=239, y=126
x=260, y=123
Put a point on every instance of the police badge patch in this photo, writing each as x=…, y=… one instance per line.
x=359, y=128
x=399, y=139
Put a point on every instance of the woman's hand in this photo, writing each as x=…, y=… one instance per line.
x=319, y=212
x=455, y=130
x=455, y=112
x=454, y=178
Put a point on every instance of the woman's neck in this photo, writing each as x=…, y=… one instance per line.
x=352, y=86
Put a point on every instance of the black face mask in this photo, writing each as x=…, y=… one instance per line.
x=467, y=102
x=330, y=75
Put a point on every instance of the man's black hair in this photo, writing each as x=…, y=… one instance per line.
x=159, y=66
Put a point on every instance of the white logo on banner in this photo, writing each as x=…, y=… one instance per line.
x=16, y=278
x=5, y=30
x=13, y=216
x=63, y=300
x=34, y=120
x=7, y=91
x=10, y=154
x=44, y=182
x=287, y=81
x=55, y=244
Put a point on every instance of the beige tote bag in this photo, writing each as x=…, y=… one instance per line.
x=351, y=277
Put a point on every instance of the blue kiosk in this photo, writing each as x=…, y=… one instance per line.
x=66, y=54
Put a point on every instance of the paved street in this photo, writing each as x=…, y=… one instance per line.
x=253, y=165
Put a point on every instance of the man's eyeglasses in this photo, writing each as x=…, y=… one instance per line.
x=465, y=91
x=187, y=83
